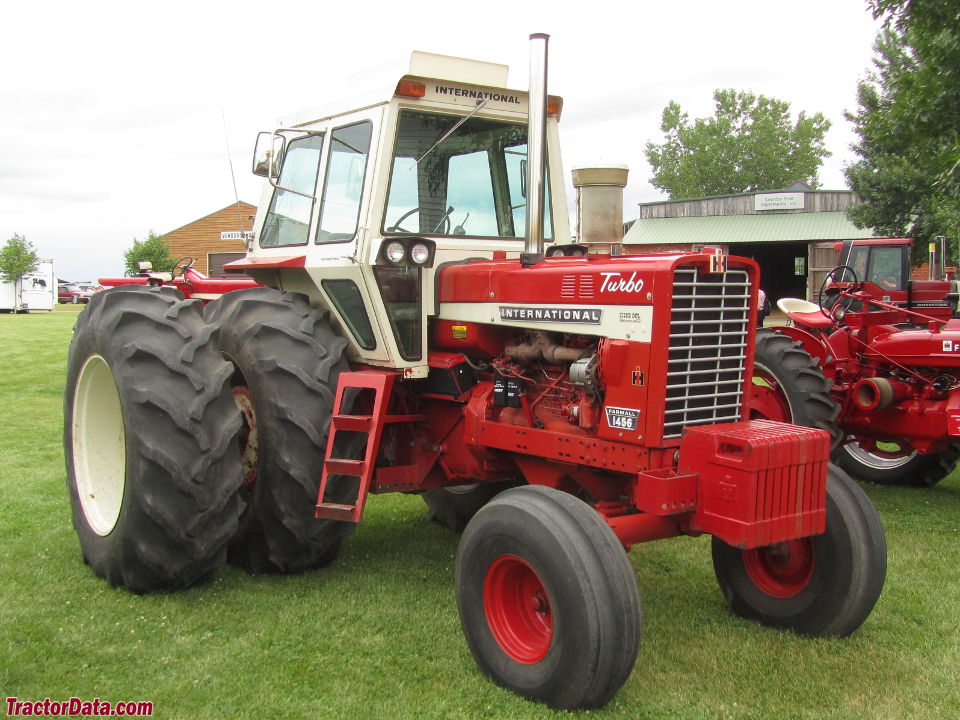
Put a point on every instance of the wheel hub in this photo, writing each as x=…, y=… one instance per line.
x=781, y=570
x=517, y=607
x=99, y=445
x=249, y=437
x=767, y=399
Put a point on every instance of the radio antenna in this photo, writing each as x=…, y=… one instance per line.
x=233, y=177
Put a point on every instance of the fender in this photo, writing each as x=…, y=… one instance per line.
x=815, y=345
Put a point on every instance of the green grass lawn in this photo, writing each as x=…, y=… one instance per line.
x=376, y=635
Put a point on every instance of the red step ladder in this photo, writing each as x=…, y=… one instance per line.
x=381, y=383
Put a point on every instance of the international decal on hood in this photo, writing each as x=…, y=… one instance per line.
x=590, y=316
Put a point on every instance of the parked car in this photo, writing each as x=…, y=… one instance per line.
x=73, y=293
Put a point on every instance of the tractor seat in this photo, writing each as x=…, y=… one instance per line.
x=803, y=312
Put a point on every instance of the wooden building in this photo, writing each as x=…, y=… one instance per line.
x=215, y=239
x=790, y=232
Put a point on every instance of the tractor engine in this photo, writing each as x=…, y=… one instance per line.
x=624, y=349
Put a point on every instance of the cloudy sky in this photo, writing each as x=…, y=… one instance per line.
x=121, y=118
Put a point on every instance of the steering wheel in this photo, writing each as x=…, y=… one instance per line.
x=830, y=301
x=444, y=222
x=180, y=267
x=395, y=228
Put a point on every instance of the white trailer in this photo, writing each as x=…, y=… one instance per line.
x=37, y=290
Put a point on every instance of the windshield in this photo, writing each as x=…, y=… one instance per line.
x=471, y=182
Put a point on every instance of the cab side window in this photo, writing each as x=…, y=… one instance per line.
x=288, y=219
x=343, y=188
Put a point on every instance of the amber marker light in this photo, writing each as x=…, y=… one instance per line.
x=411, y=88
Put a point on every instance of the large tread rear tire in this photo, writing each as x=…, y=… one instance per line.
x=289, y=359
x=548, y=599
x=909, y=468
x=825, y=585
x=150, y=440
x=790, y=387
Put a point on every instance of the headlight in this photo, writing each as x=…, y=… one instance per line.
x=419, y=253
x=394, y=252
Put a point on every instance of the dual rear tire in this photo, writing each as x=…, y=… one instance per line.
x=153, y=437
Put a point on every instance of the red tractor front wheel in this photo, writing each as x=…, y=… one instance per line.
x=825, y=585
x=548, y=600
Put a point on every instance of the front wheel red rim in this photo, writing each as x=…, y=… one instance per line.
x=782, y=570
x=518, y=610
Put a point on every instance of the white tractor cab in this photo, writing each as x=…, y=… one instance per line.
x=370, y=203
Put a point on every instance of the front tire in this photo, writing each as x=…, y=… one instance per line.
x=825, y=585
x=149, y=440
x=287, y=361
x=547, y=598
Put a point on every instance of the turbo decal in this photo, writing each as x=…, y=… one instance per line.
x=615, y=282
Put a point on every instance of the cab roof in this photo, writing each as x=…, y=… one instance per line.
x=376, y=86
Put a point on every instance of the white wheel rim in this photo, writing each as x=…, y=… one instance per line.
x=99, y=454
x=877, y=462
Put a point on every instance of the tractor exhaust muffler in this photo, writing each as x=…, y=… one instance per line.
x=536, y=149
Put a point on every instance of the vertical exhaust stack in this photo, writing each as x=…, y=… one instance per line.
x=536, y=149
x=600, y=206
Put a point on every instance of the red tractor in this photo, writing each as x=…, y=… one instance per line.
x=427, y=326
x=189, y=281
x=889, y=352
x=883, y=267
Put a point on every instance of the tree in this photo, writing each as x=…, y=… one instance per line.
x=17, y=258
x=751, y=143
x=908, y=123
x=154, y=250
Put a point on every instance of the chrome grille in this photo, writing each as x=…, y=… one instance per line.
x=709, y=323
